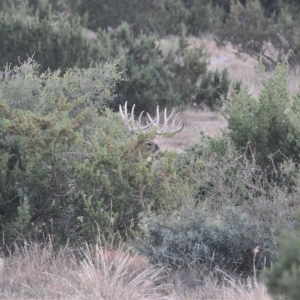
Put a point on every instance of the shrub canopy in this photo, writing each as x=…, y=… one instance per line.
x=68, y=168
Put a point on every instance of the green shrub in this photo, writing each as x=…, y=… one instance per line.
x=257, y=31
x=114, y=12
x=225, y=178
x=151, y=78
x=24, y=88
x=213, y=85
x=190, y=83
x=201, y=15
x=267, y=128
x=186, y=67
x=142, y=66
x=54, y=42
x=283, y=278
x=236, y=207
x=32, y=6
x=105, y=184
x=169, y=16
x=162, y=17
x=194, y=237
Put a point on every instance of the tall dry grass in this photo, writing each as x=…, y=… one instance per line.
x=96, y=272
x=211, y=290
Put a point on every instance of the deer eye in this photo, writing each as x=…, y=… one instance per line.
x=149, y=143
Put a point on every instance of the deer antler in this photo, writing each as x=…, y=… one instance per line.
x=159, y=131
x=164, y=129
x=127, y=121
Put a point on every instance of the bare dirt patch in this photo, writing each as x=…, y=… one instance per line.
x=195, y=121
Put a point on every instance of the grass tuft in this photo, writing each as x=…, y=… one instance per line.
x=103, y=272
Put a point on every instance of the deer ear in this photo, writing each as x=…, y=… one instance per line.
x=154, y=141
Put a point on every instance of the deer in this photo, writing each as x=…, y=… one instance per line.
x=135, y=126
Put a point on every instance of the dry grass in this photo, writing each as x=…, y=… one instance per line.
x=241, y=67
x=98, y=272
x=209, y=122
x=210, y=290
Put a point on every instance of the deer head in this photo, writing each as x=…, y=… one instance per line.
x=152, y=124
x=136, y=126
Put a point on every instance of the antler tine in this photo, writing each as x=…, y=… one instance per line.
x=165, y=125
x=179, y=128
x=173, y=130
x=171, y=115
x=133, y=128
x=155, y=122
x=151, y=120
x=140, y=120
x=166, y=120
x=124, y=115
x=136, y=126
x=157, y=116
x=132, y=114
x=121, y=112
x=174, y=120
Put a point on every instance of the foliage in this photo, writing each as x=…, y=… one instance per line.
x=213, y=85
x=170, y=15
x=115, y=12
x=283, y=278
x=151, y=78
x=162, y=17
x=67, y=167
x=190, y=83
x=24, y=88
x=257, y=31
x=271, y=6
x=186, y=67
x=267, y=128
x=32, y=6
x=126, y=187
x=236, y=207
x=195, y=238
x=54, y=42
x=141, y=65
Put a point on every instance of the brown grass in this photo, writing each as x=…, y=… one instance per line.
x=209, y=122
x=35, y=272
x=210, y=290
